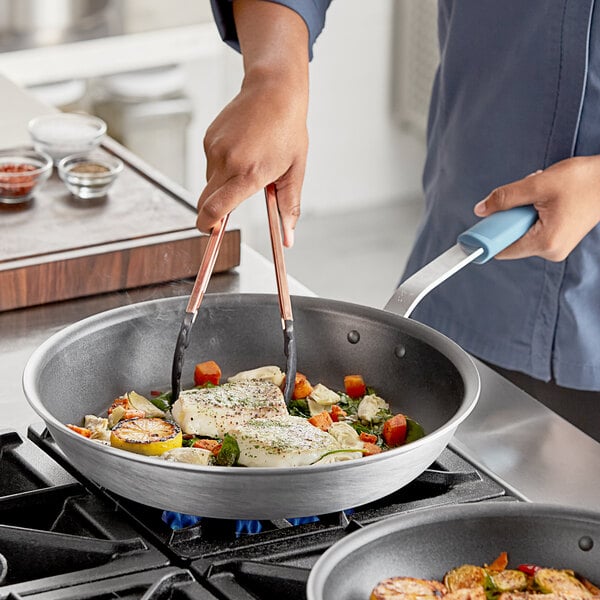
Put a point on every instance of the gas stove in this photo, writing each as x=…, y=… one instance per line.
x=62, y=536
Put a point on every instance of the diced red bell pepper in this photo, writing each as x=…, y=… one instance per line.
x=302, y=387
x=212, y=445
x=80, y=430
x=207, y=372
x=500, y=563
x=369, y=438
x=394, y=430
x=337, y=414
x=355, y=386
x=132, y=413
x=323, y=421
x=370, y=449
x=528, y=569
x=121, y=401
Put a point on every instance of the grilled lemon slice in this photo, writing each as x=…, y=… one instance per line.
x=147, y=436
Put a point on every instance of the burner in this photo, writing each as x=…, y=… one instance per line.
x=177, y=521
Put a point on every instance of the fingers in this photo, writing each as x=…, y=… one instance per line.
x=219, y=199
x=288, y=201
x=529, y=245
x=567, y=202
x=518, y=193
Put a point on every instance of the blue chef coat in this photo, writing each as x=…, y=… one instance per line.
x=517, y=89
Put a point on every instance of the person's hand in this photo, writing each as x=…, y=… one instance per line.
x=260, y=137
x=567, y=199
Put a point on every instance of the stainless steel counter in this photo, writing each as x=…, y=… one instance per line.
x=510, y=435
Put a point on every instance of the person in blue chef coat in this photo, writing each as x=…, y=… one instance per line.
x=514, y=120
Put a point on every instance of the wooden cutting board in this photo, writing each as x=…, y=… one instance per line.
x=142, y=233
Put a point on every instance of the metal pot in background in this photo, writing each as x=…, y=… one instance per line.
x=30, y=23
x=149, y=112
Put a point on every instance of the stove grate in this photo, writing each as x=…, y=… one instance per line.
x=54, y=533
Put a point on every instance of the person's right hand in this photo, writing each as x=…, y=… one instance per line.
x=260, y=137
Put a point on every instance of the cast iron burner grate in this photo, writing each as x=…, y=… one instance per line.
x=168, y=583
x=55, y=533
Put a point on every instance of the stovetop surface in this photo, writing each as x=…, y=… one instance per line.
x=62, y=536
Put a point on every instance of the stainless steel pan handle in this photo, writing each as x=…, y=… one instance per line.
x=478, y=244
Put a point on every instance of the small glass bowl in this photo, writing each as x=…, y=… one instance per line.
x=63, y=134
x=89, y=175
x=21, y=172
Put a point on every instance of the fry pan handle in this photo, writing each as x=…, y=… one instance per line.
x=478, y=244
x=496, y=232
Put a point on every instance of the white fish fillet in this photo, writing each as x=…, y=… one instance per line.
x=214, y=411
x=281, y=442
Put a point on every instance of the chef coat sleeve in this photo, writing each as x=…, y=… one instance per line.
x=312, y=11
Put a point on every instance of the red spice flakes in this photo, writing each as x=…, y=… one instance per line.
x=15, y=186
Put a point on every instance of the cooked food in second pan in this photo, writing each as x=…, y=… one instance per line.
x=491, y=582
x=245, y=421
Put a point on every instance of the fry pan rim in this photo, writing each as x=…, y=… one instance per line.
x=442, y=344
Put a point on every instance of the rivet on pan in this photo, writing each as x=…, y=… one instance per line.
x=354, y=337
x=586, y=543
x=400, y=351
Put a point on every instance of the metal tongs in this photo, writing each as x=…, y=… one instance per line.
x=206, y=268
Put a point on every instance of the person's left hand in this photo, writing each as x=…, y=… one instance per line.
x=567, y=199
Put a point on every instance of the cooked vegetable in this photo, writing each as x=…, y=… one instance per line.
x=80, y=430
x=148, y=409
x=355, y=386
x=302, y=387
x=553, y=581
x=192, y=456
x=299, y=408
x=369, y=438
x=500, y=563
x=529, y=569
x=213, y=446
x=323, y=396
x=465, y=576
x=229, y=453
x=268, y=373
x=162, y=401
x=373, y=409
x=414, y=431
x=370, y=449
x=207, y=372
x=150, y=437
x=98, y=427
x=405, y=588
x=323, y=421
x=337, y=413
x=494, y=582
x=508, y=580
x=394, y=431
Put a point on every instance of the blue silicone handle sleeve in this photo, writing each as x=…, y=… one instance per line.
x=496, y=232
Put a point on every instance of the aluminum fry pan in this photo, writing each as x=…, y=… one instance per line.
x=428, y=543
x=82, y=368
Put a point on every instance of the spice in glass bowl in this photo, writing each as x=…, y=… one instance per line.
x=21, y=171
x=89, y=175
x=63, y=134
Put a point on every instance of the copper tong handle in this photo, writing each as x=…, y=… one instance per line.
x=285, y=304
x=206, y=267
